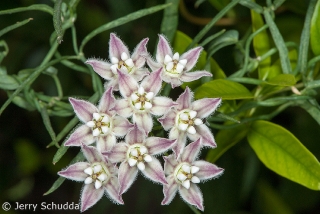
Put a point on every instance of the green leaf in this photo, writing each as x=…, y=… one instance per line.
x=169, y=22
x=7, y=82
x=315, y=30
x=283, y=80
x=228, y=38
x=14, y=26
x=225, y=89
x=226, y=139
x=41, y=7
x=57, y=22
x=284, y=154
x=5, y=50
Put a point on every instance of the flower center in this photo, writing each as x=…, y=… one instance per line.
x=186, y=121
x=185, y=173
x=97, y=174
x=141, y=100
x=125, y=63
x=100, y=124
x=174, y=66
x=137, y=154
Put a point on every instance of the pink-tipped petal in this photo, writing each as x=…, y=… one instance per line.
x=127, y=84
x=112, y=189
x=117, y=47
x=181, y=138
x=82, y=135
x=191, y=151
x=83, y=109
x=154, y=171
x=152, y=64
x=144, y=121
x=90, y=196
x=127, y=175
x=75, y=171
x=169, y=190
x=191, y=76
x=168, y=120
x=121, y=126
x=170, y=163
x=102, y=68
x=163, y=49
x=105, y=143
x=207, y=170
x=91, y=154
x=157, y=145
x=161, y=105
x=153, y=82
x=192, y=195
x=118, y=153
x=123, y=108
x=184, y=100
x=192, y=57
x=205, y=133
x=135, y=135
x=107, y=102
x=140, y=53
x=206, y=106
x=114, y=83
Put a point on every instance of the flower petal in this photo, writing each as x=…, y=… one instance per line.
x=82, y=134
x=163, y=49
x=168, y=120
x=90, y=196
x=102, y=68
x=107, y=102
x=169, y=190
x=91, y=154
x=143, y=120
x=112, y=189
x=153, y=82
x=191, y=76
x=170, y=163
x=123, y=108
x=154, y=171
x=105, y=143
x=127, y=175
x=184, y=100
x=161, y=105
x=75, y=171
x=140, y=53
x=192, y=196
x=207, y=170
x=117, y=47
x=118, y=153
x=191, y=151
x=206, y=106
x=157, y=145
x=192, y=57
x=127, y=84
x=181, y=138
x=121, y=126
x=205, y=133
x=135, y=135
x=83, y=109
x=140, y=73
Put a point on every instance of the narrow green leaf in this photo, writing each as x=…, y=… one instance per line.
x=61, y=151
x=251, y=5
x=169, y=22
x=228, y=38
x=225, y=89
x=121, y=21
x=7, y=82
x=4, y=52
x=47, y=124
x=279, y=42
x=14, y=26
x=278, y=3
x=315, y=30
x=226, y=139
x=313, y=110
x=57, y=22
x=283, y=80
x=41, y=7
x=60, y=180
x=283, y=153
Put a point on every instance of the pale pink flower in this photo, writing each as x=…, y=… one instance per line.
x=120, y=58
x=184, y=173
x=185, y=120
x=99, y=177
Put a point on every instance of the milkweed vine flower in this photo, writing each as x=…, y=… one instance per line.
x=141, y=101
x=99, y=177
x=184, y=173
x=175, y=67
x=101, y=125
x=120, y=58
x=185, y=119
x=137, y=154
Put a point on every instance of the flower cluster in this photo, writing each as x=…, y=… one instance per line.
x=113, y=164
